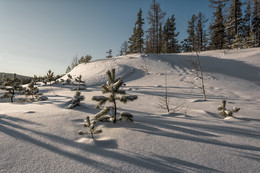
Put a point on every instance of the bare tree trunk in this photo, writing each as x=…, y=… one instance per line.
x=201, y=76
x=166, y=95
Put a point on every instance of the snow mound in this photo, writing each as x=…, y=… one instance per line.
x=94, y=73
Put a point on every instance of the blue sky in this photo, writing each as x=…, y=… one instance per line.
x=38, y=35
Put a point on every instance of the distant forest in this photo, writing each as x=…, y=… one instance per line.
x=236, y=24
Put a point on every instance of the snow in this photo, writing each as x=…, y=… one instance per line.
x=42, y=136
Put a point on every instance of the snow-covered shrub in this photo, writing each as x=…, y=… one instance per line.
x=226, y=112
x=92, y=129
x=69, y=80
x=81, y=84
x=49, y=77
x=76, y=100
x=112, y=87
x=32, y=90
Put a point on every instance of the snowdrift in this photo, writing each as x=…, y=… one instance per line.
x=42, y=136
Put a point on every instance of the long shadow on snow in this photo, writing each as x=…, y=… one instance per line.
x=151, y=164
x=228, y=67
x=152, y=125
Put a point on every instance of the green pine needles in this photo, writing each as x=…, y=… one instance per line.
x=226, y=112
x=115, y=94
x=92, y=129
x=77, y=98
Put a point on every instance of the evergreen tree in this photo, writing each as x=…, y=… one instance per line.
x=85, y=59
x=68, y=69
x=136, y=41
x=77, y=98
x=139, y=32
x=80, y=82
x=170, y=42
x=124, y=48
x=109, y=53
x=218, y=33
x=32, y=90
x=185, y=47
x=112, y=87
x=132, y=41
x=11, y=85
x=174, y=47
x=191, y=40
x=237, y=42
x=249, y=41
x=234, y=24
x=166, y=37
x=256, y=22
x=248, y=19
x=225, y=112
x=91, y=126
x=200, y=32
x=155, y=18
x=49, y=77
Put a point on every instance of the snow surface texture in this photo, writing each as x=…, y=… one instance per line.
x=42, y=136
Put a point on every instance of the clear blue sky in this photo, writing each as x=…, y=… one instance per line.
x=38, y=35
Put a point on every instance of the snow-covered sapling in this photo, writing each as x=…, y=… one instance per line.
x=92, y=129
x=80, y=82
x=226, y=112
x=32, y=90
x=69, y=79
x=49, y=77
x=76, y=100
x=112, y=87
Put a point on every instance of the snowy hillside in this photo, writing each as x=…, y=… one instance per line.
x=42, y=136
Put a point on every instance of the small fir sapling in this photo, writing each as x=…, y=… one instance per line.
x=112, y=87
x=109, y=54
x=80, y=82
x=226, y=112
x=92, y=129
x=69, y=79
x=76, y=100
x=32, y=90
x=11, y=86
x=49, y=77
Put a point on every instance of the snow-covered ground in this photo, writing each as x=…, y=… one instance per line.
x=42, y=136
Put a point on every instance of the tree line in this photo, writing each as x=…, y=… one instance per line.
x=232, y=27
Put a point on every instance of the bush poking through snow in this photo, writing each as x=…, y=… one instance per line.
x=91, y=127
x=49, y=77
x=225, y=112
x=80, y=83
x=112, y=87
x=76, y=100
x=32, y=90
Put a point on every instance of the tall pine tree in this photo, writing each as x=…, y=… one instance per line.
x=234, y=25
x=174, y=47
x=139, y=32
x=218, y=33
x=248, y=19
x=256, y=22
x=191, y=40
x=155, y=19
x=200, y=32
